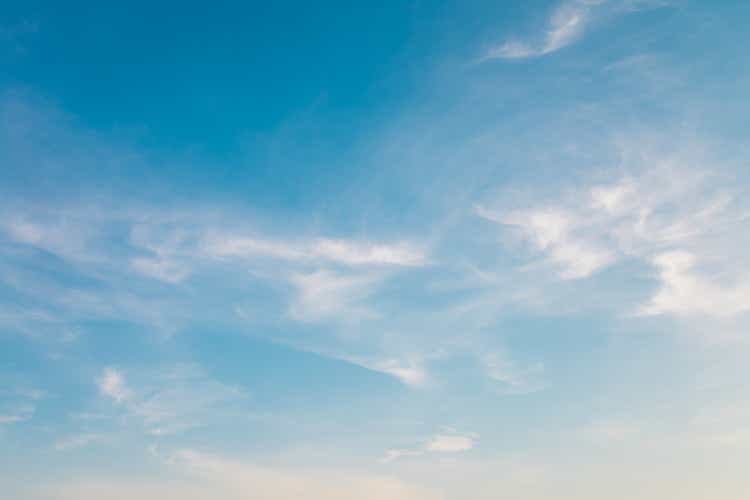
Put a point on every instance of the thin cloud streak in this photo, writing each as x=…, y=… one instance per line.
x=566, y=25
x=172, y=401
x=449, y=440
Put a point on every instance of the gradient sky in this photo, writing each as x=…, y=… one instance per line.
x=396, y=250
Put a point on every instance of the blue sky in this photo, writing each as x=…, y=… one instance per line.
x=412, y=250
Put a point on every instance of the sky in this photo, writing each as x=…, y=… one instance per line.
x=396, y=250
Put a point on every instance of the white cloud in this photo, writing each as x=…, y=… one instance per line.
x=170, y=251
x=318, y=279
x=395, y=454
x=514, y=379
x=328, y=295
x=567, y=24
x=449, y=440
x=553, y=231
x=450, y=443
x=668, y=218
x=684, y=292
x=223, y=246
x=24, y=231
x=512, y=49
x=18, y=412
x=614, y=198
x=163, y=269
x=15, y=417
x=350, y=253
x=410, y=371
x=111, y=383
x=171, y=401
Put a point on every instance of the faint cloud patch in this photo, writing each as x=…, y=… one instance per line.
x=19, y=404
x=513, y=379
x=172, y=401
x=79, y=441
x=448, y=440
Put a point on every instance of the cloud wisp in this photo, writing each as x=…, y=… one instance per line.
x=18, y=404
x=349, y=253
x=172, y=401
x=316, y=280
x=689, y=233
x=683, y=292
x=112, y=384
x=566, y=25
x=568, y=22
x=449, y=440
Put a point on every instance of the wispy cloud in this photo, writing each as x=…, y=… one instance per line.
x=636, y=218
x=17, y=415
x=567, y=24
x=245, y=258
x=683, y=292
x=551, y=230
x=172, y=401
x=316, y=279
x=451, y=443
x=160, y=269
x=111, y=383
x=324, y=295
x=514, y=379
x=449, y=440
x=350, y=253
x=18, y=404
x=410, y=370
